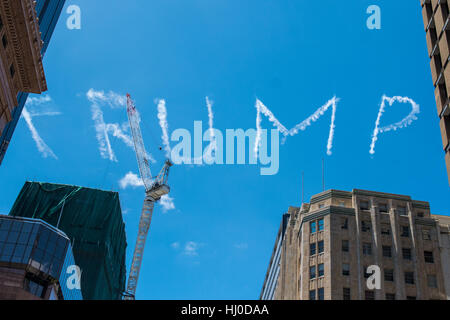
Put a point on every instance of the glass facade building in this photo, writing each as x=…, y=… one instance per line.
x=48, y=12
x=41, y=253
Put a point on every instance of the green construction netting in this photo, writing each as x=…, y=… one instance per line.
x=92, y=219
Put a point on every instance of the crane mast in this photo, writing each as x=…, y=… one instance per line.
x=154, y=190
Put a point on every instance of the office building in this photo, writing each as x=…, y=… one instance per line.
x=271, y=279
x=34, y=261
x=21, y=66
x=436, y=20
x=92, y=220
x=330, y=243
x=46, y=14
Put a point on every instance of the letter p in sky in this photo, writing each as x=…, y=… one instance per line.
x=401, y=124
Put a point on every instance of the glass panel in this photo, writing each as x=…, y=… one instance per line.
x=320, y=224
x=3, y=235
x=27, y=253
x=7, y=252
x=5, y=224
x=51, y=246
x=46, y=262
x=43, y=238
x=55, y=268
x=23, y=238
x=19, y=251
x=38, y=255
x=16, y=226
x=12, y=237
x=60, y=251
x=27, y=227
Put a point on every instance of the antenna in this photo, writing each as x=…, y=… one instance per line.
x=323, y=174
x=303, y=187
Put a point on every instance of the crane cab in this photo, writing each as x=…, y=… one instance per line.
x=158, y=190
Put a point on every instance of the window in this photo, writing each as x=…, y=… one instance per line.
x=321, y=205
x=345, y=269
x=321, y=225
x=321, y=294
x=1, y=23
x=341, y=203
x=411, y=298
x=320, y=246
x=313, y=227
x=367, y=249
x=389, y=275
x=385, y=229
x=409, y=277
x=312, y=249
x=312, y=272
x=390, y=296
x=34, y=287
x=426, y=235
x=383, y=208
x=4, y=41
x=432, y=281
x=420, y=215
x=364, y=205
x=321, y=270
x=428, y=256
x=344, y=224
x=365, y=226
x=405, y=231
x=312, y=294
x=369, y=295
x=12, y=71
x=406, y=252
x=346, y=293
x=401, y=210
x=387, y=251
x=345, y=246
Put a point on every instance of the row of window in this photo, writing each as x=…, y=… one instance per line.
x=385, y=229
x=384, y=208
x=12, y=70
x=389, y=276
x=387, y=251
x=370, y=295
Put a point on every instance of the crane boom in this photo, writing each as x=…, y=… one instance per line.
x=154, y=190
x=141, y=154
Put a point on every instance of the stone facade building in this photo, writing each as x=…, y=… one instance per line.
x=330, y=242
x=437, y=27
x=21, y=66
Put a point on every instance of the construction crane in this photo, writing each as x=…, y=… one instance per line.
x=155, y=188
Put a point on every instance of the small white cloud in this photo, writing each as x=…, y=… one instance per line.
x=131, y=179
x=175, y=245
x=191, y=248
x=241, y=246
x=167, y=203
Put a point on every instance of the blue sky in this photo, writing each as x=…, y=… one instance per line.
x=292, y=55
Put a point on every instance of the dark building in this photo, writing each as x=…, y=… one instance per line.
x=436, y=17
x=92, y=219
x=48, y=12
x=35, y=261
x=273, y=271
